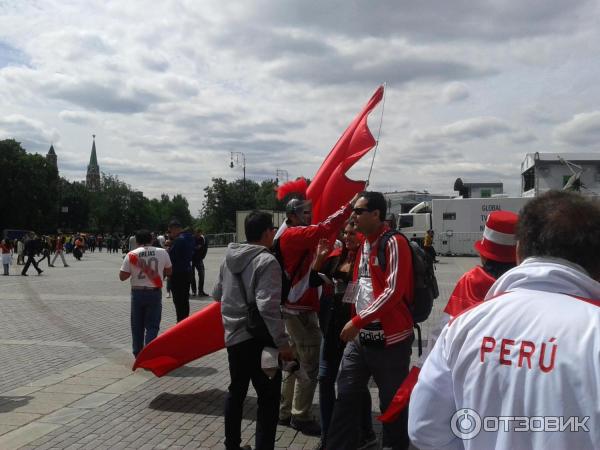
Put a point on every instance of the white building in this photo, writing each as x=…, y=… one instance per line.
x=541, y=172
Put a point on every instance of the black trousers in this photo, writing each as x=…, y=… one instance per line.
x=388, y=366
x=31, y=260
x=180, y=289
x=244, y=366
x=198, y=266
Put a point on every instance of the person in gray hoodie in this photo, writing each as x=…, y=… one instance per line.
x=254, y=269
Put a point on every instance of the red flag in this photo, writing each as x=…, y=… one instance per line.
x=194, y=337
x=330, y=187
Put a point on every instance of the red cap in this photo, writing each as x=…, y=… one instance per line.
x=499, y=242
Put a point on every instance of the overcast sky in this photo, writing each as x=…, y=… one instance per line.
x=170, y=88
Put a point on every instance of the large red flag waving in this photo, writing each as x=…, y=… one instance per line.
x=330, y=187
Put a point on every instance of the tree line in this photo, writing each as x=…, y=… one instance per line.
x=35, y=197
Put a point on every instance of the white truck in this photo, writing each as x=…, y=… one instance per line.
x=457, y=223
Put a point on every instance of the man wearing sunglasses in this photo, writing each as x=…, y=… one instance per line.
x=296, y=245
x=380, y=335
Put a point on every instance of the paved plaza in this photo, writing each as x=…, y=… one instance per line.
x=66, y=379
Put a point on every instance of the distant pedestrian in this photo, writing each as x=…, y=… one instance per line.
x=181, y=253
x=31, y=250
x=132, y=243
x=6, y=256
x=21, y=251
x=59, y=250
x=45, y=249
x=145, y=266
x=200, y=251
x=428, y=246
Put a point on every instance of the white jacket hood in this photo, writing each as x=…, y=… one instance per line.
x=547, y=274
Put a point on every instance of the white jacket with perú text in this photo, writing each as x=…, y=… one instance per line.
x=519, y=371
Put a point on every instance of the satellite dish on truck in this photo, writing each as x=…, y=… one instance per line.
x=574, y=182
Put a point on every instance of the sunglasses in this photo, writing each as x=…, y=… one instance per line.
x=359, y=211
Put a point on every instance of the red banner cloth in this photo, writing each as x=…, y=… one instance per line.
x=330, y=187
x=194, y=337
x=402, y=397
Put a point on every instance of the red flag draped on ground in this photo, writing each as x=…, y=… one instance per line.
x=199, y=335
x=330, y=187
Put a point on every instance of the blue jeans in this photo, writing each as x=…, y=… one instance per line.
x=146, y=310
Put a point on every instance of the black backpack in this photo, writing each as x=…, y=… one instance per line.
x=426, y=286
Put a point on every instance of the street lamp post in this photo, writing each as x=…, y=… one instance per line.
x=282, y=173
x=237, y=161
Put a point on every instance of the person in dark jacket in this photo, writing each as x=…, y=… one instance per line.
x=181, y=256
x=200, y=250
x=32, y=246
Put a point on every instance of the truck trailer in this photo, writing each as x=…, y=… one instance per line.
x=457, y=223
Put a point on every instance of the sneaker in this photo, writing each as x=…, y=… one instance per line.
x=308, y=427
x=367, y=441
x=284, y=422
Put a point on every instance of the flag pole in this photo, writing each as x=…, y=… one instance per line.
x=378, y=134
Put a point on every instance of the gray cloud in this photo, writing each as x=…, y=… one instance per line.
x=34, y=135
x=397, y=70
x=104, y=97
x=583, y=129
x=487, y=20
x=455, y=92
x=467, y=129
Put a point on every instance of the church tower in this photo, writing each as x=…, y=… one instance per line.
x=92, y=180
x=51, y=157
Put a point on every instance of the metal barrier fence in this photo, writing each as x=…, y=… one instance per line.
x=220, y=239
x=456, y=243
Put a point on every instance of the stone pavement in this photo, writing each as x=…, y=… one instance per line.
x=66, y=379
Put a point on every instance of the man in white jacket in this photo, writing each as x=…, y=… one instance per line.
x=522, y=369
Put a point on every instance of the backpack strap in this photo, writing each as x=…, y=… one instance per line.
x=383, y=240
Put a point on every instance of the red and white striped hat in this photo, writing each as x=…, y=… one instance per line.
x=499, y=242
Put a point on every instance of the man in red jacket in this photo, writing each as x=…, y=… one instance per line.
x=297, y=243
x=380, y=335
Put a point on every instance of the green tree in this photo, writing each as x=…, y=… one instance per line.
x=29, y=187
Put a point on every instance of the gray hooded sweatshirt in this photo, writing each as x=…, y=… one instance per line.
x=261, y=276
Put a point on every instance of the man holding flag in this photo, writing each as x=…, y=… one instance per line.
x=145, y=267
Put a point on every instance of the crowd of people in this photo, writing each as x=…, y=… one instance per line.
x=518, y=339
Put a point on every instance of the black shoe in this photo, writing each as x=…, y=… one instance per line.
x=367, y=441
x=193, y=294
x=50, y=265
x=24, y=274
x=40, y=272
x=284, y=422
x=204, y=294
x=307, y=427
